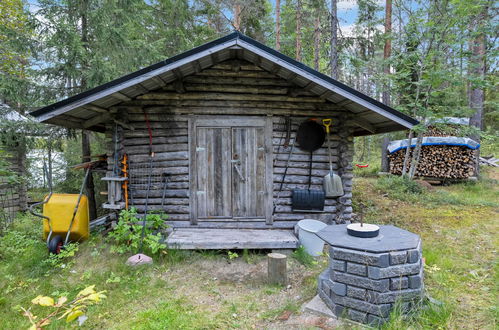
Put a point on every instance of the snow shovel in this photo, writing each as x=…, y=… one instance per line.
x=333, y=187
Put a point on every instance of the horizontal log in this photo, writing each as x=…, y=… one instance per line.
x=165, y=164
x=305, y=165
x=281, y=224
x=140, y=172
x=158, y=132
x=170, y=121
x=288, y=201
x=299, y=179
x=227, y=96
x=157, y=148
x=237, y=81
x=156, y=188
x=243, y=74
x=158, y=156
x=133, y=141
x=232, y=65
x=305, y=158
x=300, y=171
x=289, y=209
x=158, y=193
x=168, y=209
x=236, y=88
x=159, y=201
x=164, y=106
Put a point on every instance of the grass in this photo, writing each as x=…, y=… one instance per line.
x=206, y=290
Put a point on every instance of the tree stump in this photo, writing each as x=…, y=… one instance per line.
x=277, y=268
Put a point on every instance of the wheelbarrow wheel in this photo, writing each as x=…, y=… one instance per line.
x=55, y=245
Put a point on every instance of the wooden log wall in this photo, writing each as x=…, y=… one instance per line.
x=231, y=88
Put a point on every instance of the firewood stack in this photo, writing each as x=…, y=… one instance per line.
x=439, y=160
x=452, y=162
x=450, y=130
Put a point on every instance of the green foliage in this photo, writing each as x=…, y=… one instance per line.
x=399, y=187
x=64, y=258
x=128, y=232
x=301, y=255
x=232, y=255
x=173, y=314
x=425, y=315
x=62, y=309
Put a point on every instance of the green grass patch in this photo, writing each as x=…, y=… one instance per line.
x=301, y=255
x=173, y=314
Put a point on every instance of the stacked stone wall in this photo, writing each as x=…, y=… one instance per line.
x=364, y=286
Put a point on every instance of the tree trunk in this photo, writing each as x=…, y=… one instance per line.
x=237, y=16
x=477, y=72
x=416, y=156
x=385, y=165
x=278, y=25
x=298, y=31
x=317, y=37
x=85, y=135
x=387, y=51
x=407, y=153
x=334, y=40
x=90, y=189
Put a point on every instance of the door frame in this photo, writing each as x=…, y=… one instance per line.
x=196, y=121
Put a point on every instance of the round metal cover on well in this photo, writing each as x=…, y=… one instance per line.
x=310, y=135
x=365, y=230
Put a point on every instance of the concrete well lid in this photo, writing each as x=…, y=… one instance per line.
x=390, y=238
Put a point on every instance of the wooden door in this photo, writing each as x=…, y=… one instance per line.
x=231, y=175
x=248, y=172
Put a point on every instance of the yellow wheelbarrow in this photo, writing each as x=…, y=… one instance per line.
x=65, y=217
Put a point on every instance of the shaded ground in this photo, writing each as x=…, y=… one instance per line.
x=459, y=226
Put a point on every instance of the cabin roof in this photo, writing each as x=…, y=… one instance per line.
x=89, y=109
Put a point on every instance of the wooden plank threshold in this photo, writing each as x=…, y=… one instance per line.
x=199, y=238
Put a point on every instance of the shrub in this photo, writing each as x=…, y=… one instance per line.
x=399, y=187
x=128, y=233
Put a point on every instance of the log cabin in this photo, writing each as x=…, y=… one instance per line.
x=208, y=134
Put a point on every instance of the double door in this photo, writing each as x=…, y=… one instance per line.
x=231, y=169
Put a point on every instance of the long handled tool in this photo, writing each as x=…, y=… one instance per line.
x=333, y=187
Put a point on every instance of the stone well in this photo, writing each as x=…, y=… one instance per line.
x=366, y=276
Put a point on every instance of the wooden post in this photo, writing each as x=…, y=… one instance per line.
x=385, y=166
x=277, y=268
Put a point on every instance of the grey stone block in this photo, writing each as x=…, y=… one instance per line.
x=327, y=300
x=338, y=265
x=363, y=282
x=339, y=288
x=398, y=257
x=399, y=283
x=365, y=258
x=413, y=256
x=339, y=311
x=357, y=293
x=363, y=306
x=375, y=320
x=391, y=296
x=357, y=316
x=356, y=269
x=393, y=271
x=326, y=287
x=415, y=281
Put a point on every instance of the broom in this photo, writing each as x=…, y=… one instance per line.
x=333, y=187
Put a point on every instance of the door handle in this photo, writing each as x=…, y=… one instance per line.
x=238, y=170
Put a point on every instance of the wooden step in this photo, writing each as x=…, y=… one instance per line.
x=194, y=238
